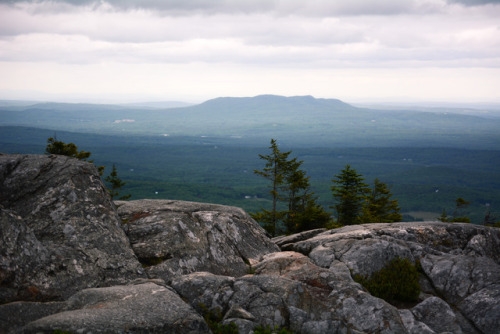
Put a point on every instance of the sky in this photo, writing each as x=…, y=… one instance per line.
x=195, y=50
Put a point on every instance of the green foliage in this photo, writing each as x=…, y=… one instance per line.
x=379, y=207
x=58, y=147
x=268, y=330
x=444, y=217
x=310, y=215
x=396, y=282
x=290, y=185
x=460, y=205
x=349, y=193
x=55, y=146
x=153, y=261
x=213, y=318
x=219, y=170
x=276, y=170
x=116, y=184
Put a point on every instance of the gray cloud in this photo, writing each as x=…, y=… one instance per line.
x=242, y=39
x=318, y=8
x=475, y=2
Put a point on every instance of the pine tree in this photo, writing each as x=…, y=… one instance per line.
x=349, y=193
x=290, y=185
x=276, y=169
x=444, y=217
x=295, y=188
x=58, y=147
x=116, y=184
x=55, y=146
x=460, y=205
x=310, y=215
x=379, y=207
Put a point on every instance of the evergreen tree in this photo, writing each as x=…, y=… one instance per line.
x=379, y=207
x=349, y=193
x=444, y=217
x=116, y=184
x=295, y=188
x=310, y=215
x=55, y=146
x=290, y=185
x=460, y=205
x=58, y=147
x=276, y=170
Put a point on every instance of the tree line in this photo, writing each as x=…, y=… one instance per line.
x=294, y=205
x=295, y=208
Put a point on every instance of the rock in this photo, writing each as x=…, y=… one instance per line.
x=284, y=240
x=60, y=231
x=456, y=277
x=14, y=316
x=483, y=308
x=62, y=239
x=412, y=325
x=460, y=262
x=290, y=291
x=143, y=308
x=437, y=315
x=22, y=257
x=173, y=238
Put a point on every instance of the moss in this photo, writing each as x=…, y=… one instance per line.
x=396, y=282
x=154, y=260
x=213, y=318
x=269, y=330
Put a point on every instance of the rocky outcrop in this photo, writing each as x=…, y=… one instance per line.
x=172, y=238
x=142, y=308
x=71, y=260
x=59, y=230
x=460, y=263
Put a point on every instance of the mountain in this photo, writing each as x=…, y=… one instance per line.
x=298, y=120
x=158, y=104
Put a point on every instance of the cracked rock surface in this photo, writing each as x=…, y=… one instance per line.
x=59, y=230
x=71, y=260
x=172, y=238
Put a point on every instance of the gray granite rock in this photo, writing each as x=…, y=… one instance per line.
x=173, y=238
x=60, y=231
x=437, y=315
x=60, y=234
x=288, y=290
x=143, y=308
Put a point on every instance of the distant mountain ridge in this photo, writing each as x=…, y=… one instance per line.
x=261, y=101
x=297, y=120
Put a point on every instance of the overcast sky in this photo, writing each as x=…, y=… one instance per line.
x=193, y=50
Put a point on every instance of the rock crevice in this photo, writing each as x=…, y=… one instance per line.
x=71, y=259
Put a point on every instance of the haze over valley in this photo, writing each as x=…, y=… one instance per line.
x=183, y=96
x=207, y=152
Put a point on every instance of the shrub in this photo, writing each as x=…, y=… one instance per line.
x=396, y=282
x=269, y=330
x=213, y=318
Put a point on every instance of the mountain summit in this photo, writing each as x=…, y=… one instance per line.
x=276, y=102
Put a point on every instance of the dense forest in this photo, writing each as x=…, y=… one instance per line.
x=428, y=160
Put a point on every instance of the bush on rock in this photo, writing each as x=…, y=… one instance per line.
x=396, y=282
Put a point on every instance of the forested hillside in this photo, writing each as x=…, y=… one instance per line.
x=208, y=152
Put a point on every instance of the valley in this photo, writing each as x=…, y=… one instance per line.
x=207, y=152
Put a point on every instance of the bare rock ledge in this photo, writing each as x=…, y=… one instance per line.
x=72, y=260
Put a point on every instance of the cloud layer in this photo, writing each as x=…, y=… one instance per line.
x=261, y=35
